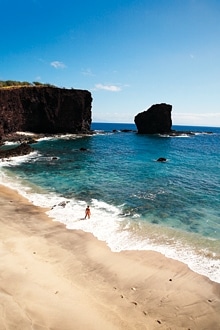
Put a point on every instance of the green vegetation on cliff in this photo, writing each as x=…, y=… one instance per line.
x=13, y=83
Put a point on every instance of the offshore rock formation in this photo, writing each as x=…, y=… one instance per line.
x=161, y=159
x=43, y=109
x=21, y=150
x=157, y=119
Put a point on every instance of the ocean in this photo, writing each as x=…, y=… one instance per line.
x=137, y=203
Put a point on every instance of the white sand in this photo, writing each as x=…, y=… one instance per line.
x=57, y=279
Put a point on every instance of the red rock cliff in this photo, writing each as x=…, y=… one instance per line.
x=42, y=109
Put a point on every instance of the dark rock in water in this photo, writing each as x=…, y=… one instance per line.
x=125, y=130
x=83, y=149
x=161, y=159
x=63, y=204
x=21, y=150
x=31, y=141
x=181, y=133
x=43, y=109
x=157, y=119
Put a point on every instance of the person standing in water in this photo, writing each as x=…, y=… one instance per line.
x=87, y=212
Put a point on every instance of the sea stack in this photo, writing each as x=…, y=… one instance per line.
x=155, y=120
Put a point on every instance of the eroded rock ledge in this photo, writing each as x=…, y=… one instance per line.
x=21, y=150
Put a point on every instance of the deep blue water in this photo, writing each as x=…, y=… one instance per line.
x=136, y=202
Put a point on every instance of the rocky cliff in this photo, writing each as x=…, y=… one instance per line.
x=41, y=109
x=157, y=119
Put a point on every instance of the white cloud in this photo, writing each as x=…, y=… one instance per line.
x=110, y=88
x=58, y=65
x=108, y=117
x=87, y=72
x=192, y=119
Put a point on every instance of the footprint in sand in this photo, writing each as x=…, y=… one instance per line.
x=134, y=302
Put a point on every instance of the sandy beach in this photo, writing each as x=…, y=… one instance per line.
x=58, y=279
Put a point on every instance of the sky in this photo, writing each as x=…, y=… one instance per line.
x=129, y=54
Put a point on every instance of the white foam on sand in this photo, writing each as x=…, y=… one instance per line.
x=107, y=223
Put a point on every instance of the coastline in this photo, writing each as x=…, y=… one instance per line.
x=191, y=237
x=55, y=278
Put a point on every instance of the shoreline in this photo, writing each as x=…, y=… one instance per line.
x=56, y=278
x=62, y=210
x=186, y=237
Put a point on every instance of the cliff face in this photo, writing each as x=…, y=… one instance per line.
x=157, y=119
x=44, y=110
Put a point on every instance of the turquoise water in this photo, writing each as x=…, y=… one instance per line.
x=136, y=202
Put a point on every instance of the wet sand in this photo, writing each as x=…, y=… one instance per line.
x=59, y=279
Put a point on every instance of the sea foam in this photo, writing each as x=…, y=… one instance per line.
x=108, y=224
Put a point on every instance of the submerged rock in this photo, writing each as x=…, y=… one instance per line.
x=161, y=159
